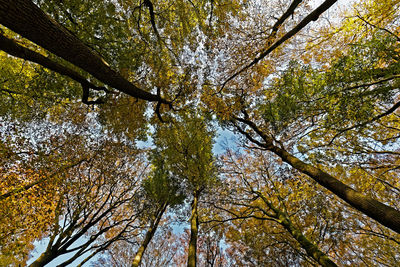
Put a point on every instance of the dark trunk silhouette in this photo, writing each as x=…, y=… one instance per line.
x=28, y=20
x=374, y=209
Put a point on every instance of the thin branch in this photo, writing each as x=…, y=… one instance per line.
x=313, y=16
x=28, y=186
x=374, y=26
x=388, y=112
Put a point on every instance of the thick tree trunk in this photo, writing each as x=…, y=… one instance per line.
x=13, y=48
x=376, y=210
x=149, y=235
x=28, y=20
x=194, y=225
x=44, y=259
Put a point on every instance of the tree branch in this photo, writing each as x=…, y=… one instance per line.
x=388, y=112
x=28, y=20
x=313, y=16
x=13, y=48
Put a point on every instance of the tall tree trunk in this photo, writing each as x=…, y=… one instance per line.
x=194, y=225
x=312, y=250
x=28, y=20
x=149, y=235
x=376, y=210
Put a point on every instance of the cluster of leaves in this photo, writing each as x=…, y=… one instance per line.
x=25, y=217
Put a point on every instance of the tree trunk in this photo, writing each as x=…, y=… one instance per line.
x=44, y=259
x=374, y=209
x=13, y=48
x=28, y=20
x=194, y=225
x=312, y=250
x=378, y=211
x=149, y=235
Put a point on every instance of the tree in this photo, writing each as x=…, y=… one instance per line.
x=267, y=210
x=255, y=201
x=260, y=126
x=19, y=227
x=25, y=18
x=210, y=249
x=165, y=248
x=98, y=204
x=314, y=92
x=31, y=179
x=186, y=147
x=163, y=192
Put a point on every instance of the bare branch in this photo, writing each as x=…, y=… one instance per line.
x=313, y=16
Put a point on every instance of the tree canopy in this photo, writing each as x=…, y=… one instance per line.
x=110, y=114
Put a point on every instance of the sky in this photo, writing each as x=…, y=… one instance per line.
x=40, y=247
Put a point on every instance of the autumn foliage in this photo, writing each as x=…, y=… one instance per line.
x=199, y=133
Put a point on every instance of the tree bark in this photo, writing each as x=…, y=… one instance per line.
x=28, y=20
x=13, y=48
x=194, y=225
x=44, y=259
x=149, y=235
x=312, y=250
x=378, y=211
x=374, y=209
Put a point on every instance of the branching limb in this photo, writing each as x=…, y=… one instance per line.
x=13, y=48
x=313, y=16
x=158, y=106
x=28, y=20
x=85, y=96
x=150, y=6
x=282, y=19
x=386, y=113
x=380, y=28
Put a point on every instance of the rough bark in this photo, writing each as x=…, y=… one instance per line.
x=194, y=225
x=13, y=48
x=378, y=211
x=149, y=235
x=28, y=20
x=374, y=209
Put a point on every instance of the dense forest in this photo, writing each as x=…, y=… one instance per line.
x=199, y=133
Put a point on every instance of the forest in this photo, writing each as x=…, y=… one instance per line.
x=199, y=133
